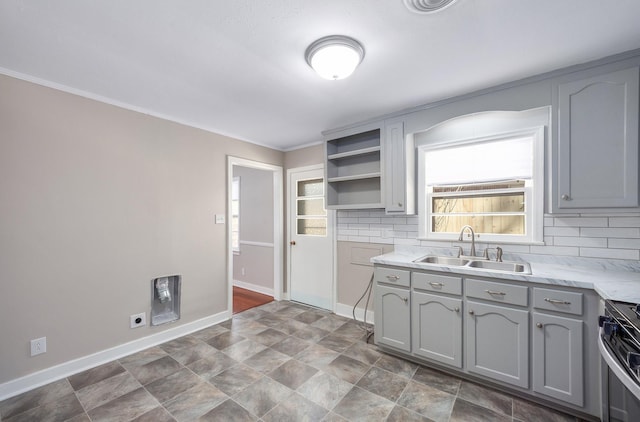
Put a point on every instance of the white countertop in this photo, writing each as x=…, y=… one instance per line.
x=616, y=280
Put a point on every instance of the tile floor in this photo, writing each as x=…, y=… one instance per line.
x=278, y=362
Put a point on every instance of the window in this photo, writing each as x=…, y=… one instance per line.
x=235, y=214
x=493, y=184
x=311, y=215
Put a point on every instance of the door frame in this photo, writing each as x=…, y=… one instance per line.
x=331, y=229
x=278, y=218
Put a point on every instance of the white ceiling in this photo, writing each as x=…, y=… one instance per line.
x=237, y=67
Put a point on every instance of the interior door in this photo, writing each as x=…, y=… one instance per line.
x=310, y=240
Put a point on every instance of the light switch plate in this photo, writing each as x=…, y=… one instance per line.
x=219, y=218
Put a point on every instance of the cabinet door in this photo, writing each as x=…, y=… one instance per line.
x=398, y=171
x=392, y=317
x=437, y=328
x=597, y=151
x=557, y=358
x=497, y=343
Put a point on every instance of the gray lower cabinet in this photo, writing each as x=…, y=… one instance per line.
x=437, y=333
x=392, y=317
x=497, y=342
x=557, y=359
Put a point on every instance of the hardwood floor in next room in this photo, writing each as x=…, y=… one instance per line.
x=244, y=299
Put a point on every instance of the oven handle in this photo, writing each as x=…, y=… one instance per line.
x=614, y=365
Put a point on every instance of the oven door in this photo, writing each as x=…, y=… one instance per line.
x=620, y=393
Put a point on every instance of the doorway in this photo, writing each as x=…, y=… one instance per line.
x=254, y=229
x=311, y=254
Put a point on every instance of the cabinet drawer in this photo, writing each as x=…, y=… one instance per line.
x=393, y=276
x=557, y=300
x=497, y=292
x=437, y=283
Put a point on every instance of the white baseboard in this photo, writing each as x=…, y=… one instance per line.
x=253, y=287
x=63, y=370
x=347, y=311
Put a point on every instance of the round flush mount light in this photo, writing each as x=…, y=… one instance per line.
x=334, y=57
x=427, y=6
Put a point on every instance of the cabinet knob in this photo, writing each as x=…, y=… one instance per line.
x=399, y=204
x=406, y=299
x=456, y=309
x=471, y=312
x=539, y=325
x=292, y=243
x=565, y=197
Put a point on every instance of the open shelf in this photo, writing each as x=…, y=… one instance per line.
x=353, y=177
x=363, y=151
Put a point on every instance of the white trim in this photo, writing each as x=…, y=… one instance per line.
x=66, y=369
x=253, y=287
x=347, y=311
x=252, y=243
x=278, y=219
x=126, y=106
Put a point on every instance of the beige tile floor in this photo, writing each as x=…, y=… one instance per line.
x=278, y=362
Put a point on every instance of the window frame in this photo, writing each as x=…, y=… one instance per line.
x=533, y=190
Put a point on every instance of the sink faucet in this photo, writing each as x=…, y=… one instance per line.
x=473, y=239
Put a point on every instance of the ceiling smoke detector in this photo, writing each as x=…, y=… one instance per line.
x=427, y=6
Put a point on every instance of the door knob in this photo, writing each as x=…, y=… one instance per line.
x=292, y=243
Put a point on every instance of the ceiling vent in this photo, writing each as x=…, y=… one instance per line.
x=427, y=6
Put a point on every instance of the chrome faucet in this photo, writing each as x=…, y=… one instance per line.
x=473, y=239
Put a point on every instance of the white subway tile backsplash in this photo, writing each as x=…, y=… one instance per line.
x=555, y=250
x=405, y=227
x=592, y=236
x=581, y=222
x=626, y=233
x=624, y=243
x=610, y=253
x=562, y=231
x=590, y=242
x=624, y=221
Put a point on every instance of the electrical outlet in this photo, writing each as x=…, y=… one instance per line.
x=138, y=320
x=38, y=346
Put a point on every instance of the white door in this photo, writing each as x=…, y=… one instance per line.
x=310, y=240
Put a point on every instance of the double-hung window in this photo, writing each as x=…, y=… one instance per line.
x=494, y=184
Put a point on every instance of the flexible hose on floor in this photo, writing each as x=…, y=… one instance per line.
x=367, y=292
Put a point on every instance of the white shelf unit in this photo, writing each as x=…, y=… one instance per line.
x=354, y=171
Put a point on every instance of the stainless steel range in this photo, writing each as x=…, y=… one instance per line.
x=619, y=345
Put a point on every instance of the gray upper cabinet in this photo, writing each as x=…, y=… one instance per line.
x=399, y=170
x=354, y=168
x=596, y=156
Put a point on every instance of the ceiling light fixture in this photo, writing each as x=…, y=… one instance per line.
x=334, y=57
x=427, y=6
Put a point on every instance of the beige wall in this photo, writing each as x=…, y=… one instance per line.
x=304, y=156
x=355, y=270
x=95, y=202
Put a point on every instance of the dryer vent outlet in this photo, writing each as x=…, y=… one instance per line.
x=138, y=320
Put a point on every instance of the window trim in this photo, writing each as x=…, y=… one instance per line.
x=534, y=193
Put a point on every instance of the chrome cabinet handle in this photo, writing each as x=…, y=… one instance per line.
x=557, y=301
x=566, y=197
x=393, y=277
x=494, y=293
x=436, y=284
x=539, y=325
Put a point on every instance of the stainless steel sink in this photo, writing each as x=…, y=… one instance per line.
x=443, y=260
x=512, y=267
x=478, y=264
